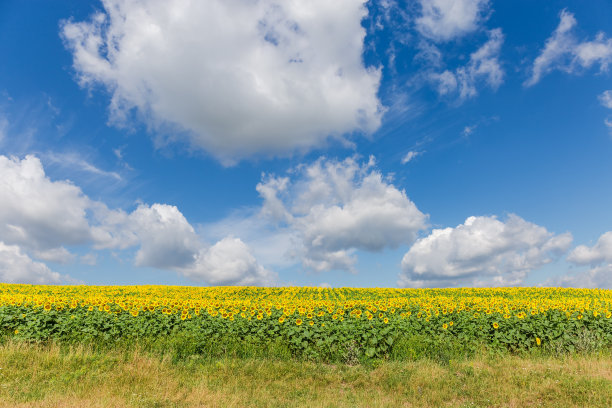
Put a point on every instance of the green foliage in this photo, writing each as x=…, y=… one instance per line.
x=340, y=326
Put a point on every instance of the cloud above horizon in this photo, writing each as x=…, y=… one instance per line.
x=17, y=267
x=255, y=78
x=335, y=208
x=39, y=217
x=598, y=257
x=483, y=251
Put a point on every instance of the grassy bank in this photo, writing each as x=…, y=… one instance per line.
x=53, y=376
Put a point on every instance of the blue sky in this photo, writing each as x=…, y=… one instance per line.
x=426, y=143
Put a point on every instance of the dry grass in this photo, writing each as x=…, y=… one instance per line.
x=50, y=377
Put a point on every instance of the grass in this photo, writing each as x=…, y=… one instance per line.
x=78, y=376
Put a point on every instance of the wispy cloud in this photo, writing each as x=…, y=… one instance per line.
x=606, y=100
x=76, y=161
x=564, y=52
x=484, y=65
x=410, y=156
x=444, y=20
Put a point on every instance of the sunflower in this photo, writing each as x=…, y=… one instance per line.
x=298, y=322
x=495, y=325
x=281, y=319
x=538, y=341
x=445, y=326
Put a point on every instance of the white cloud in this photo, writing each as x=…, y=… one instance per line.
x=606, y=99
x=599, y=257
x=429, y=54
x=444, y=20
x=40, y=216
x=167, y=240
x=38, y=213
x=75, y=161
x=564, y=52
x=468, y=130
x=335, y=208
x=228, y=262
x=235, y=78
x=447, y=82
x=17, y=267
x=483, y=65
x=600, y=252
x=409, y=156
x=483, y=251
x=58, y=255
x=599, y=277
x=272, y=244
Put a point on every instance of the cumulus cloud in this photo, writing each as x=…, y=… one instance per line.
x=483, y=251
x=335, y=208
x=228, y=262
x=483, y=66
x=17, y=267
x=58, y=255
x=38, y=213
x=262, y=77
x=40, y=216
x=564, y=52
x=167, y=240
x=444, y=20
x=598, y=257
x=598, y=253
x=599, y=277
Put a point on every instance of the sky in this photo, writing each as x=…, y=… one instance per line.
x=425, y=143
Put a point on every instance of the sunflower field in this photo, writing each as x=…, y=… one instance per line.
x=319, y=323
